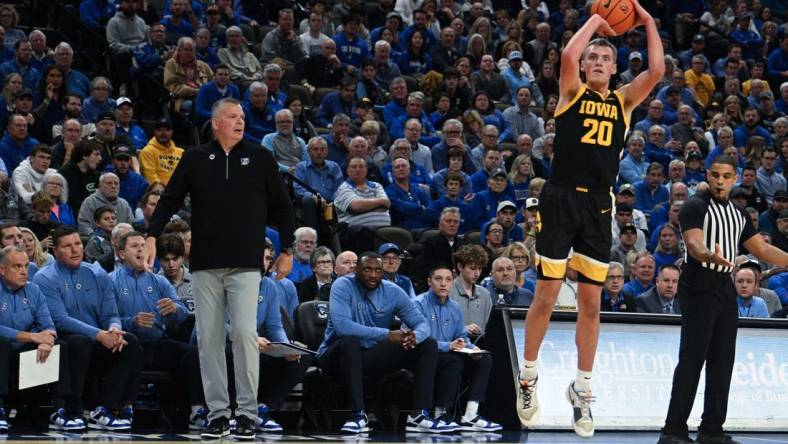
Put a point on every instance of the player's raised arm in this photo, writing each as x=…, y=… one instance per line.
x=569, y=81
x=637, y=91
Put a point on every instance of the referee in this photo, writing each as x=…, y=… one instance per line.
x=713, y=228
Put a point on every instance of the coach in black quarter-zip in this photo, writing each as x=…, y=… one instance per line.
x=234, y=186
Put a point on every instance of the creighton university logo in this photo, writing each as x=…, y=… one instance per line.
x=244, y=161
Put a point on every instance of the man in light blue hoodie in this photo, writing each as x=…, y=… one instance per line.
x=447, y=326
x=359, y=343
x=148, y=305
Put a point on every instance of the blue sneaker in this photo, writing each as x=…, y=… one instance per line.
x=359, y=424
x=103, y=419
x=264, y=421
x=3, y=422
x=60, y=421
x=426, y=424
x=199, y=420
x=479, y=424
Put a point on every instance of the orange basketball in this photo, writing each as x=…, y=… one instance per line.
x=619, y=14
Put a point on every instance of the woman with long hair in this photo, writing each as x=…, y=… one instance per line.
x=520, y=176
x=415, y=59
x=472, y=123
x=514, y=33
x=302, y=127
x=476, y=49
x=667, y=250
x=35, y=253
x=547, y=79
x=49, y=97
x=482, y=26
x=13, y=84
x=56, y=188
x=483, y=103
x=732, y=109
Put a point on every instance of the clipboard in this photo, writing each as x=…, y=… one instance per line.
x=470, y=351
x=282, y=349
x=33, y=374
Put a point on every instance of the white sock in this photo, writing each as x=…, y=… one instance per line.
x=471, y=410
x=528, y=372
x=440, y=411
x=196, y=408
x=583, y=381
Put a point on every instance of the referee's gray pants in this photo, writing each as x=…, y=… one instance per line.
x=234, y=291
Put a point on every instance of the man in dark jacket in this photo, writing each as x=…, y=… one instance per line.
x=80, y=173
x=235, y=185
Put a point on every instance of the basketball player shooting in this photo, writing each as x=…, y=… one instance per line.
x=576, y=205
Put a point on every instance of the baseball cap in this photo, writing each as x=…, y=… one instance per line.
x=672, y=89
x=366, y=103
x=781, y=195
x=699, y=38
x=498, y=172
x=105, y=115
x=515, y=55
x=694, y=155
x=387, y=247
x=531, y=202
x=121, y=151
x=393, y=14
x=749, y=263
x=627, y=188
x=739, y=192
x=122, y=101
x=506, y=204
x=767, y=95
x=163, y=123
x=636, y=55
x=629, y=228
x=623, y=207
x=24, y=92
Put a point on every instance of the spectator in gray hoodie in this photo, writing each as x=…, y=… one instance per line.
x=106, y=195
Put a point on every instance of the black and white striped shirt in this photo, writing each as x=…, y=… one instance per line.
x=723, y=224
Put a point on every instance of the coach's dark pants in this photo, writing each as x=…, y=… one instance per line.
x=60, y=391
x=346, y=361
x=180, y=360
x=449, y=372
x=119, y=372
x=709, y=319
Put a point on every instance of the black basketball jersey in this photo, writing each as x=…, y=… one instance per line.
x=589, y=136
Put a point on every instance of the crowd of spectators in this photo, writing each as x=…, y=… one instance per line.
x=436, y=117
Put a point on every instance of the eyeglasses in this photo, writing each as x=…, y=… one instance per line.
x=391, y=259
x=307, y=242
x=518, y=258
x=496, y=231
x=324, y=262
x=284, y=121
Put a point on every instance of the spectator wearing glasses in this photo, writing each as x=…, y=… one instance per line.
x=287, y=148
x=318, y=285
x=653, y=117
x=391, y=254
x=614, y=298
x=452, y=137
x=304, y=245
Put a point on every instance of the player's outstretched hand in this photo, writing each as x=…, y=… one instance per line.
x=603, y=27
x=643, y=16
